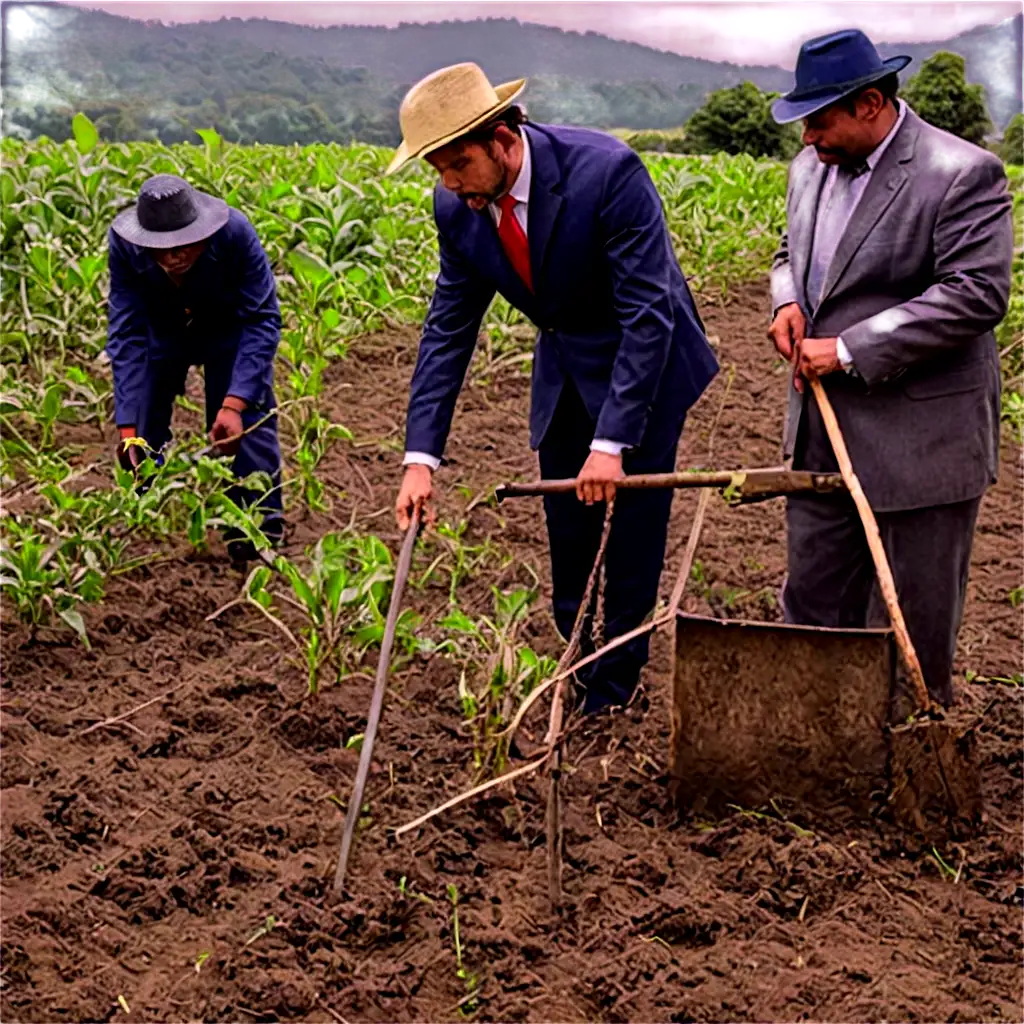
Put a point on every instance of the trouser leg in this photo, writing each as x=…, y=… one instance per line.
x=832, y=580
x=929, y=552
x=165, y=382
x=634, y=557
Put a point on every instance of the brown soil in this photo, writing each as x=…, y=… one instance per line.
x=140, y=859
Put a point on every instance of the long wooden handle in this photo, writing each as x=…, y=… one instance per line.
x=867, y=518
x=366, y=754
x=752, y=484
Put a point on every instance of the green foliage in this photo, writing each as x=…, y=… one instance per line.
x=1011, y=149
x=657, y=142
x=498, y=671
x=940, y=94
x=739, y=120
x=342, y=595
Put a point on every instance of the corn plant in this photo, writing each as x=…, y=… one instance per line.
x=498, y=671
x=341, y=596
x=460, y=559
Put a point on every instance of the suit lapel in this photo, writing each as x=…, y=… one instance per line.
x=545, y=201
x=887, y=180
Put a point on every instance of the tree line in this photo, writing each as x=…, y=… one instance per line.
x=738, y=119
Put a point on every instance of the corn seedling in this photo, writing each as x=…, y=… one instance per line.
x=506, y=669
x=341, y=596
x=469, y=980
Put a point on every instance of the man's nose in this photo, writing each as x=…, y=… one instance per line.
x=451, y=181
x=809, y=135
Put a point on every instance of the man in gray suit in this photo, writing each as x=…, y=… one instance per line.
x=892, y=274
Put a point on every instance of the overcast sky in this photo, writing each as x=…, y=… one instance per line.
x=751, y=33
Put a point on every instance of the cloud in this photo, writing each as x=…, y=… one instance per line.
x=743, y=32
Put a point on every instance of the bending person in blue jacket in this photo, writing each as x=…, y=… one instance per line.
x=190, y=285
x=566, y=224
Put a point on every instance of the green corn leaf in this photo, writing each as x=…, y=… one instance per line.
x=74, y=619
x=334, y=588
x=212, y=139
x=86, y=135
x=197, y=527
x=304, y=592
x=52, y=401
x=307, y=268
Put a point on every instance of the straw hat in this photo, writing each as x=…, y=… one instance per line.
x=446, y=105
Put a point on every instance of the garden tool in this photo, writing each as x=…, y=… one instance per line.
x=764, y=711
x=740, y=486
x=770, y=711
x=355, y=803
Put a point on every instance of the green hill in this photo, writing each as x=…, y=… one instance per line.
x=258, y=80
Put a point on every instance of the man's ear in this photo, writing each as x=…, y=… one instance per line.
x=872, y=103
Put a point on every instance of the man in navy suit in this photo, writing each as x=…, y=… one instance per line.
x=567, y=225
x=190, y=285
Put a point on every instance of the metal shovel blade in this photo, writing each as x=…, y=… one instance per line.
x=763, y=711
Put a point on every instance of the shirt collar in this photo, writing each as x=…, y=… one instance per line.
x=520, y=191
x=876, y=153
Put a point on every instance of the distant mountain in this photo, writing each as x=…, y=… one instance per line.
x=504, y=48
x=993, y=54
x=258, y=80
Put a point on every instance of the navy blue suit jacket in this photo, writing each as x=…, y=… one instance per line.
x=613, y=308
x=225, y=308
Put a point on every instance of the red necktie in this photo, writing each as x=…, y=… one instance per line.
x=513, y=239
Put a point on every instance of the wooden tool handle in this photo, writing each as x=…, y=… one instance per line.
x=867, y=518
x=377, y=702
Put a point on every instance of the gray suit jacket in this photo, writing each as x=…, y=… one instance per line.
x=919, y=280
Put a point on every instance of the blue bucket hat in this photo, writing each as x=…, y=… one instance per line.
x=829, y=68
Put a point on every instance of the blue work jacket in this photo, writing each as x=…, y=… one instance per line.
x=225, y=308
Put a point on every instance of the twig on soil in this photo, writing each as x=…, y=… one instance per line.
x=553, y=823
x=667, y=616
x=337, y=1016
x=277, y=622
x=135, y=710
x=220, y=611
x=469, y=794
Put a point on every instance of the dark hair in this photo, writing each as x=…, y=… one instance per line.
x=512, y=119
x=887, y=86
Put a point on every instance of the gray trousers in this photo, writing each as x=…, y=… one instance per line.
x=831, y=579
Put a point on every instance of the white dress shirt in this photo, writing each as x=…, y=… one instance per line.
x=520, y=192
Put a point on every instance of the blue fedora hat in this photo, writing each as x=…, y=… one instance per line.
x=829, y=68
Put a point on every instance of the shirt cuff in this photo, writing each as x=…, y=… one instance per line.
x=608, y=447
x=421, y=459
x=845, y=359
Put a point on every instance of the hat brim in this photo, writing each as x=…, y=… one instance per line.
x=795, y=107
x=507, y=94
x=213, y=215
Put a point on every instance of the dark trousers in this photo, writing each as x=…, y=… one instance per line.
x=832, y=581
x=634, y=556
x=259, y=451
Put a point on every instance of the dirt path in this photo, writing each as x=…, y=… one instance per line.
x=141, y=860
